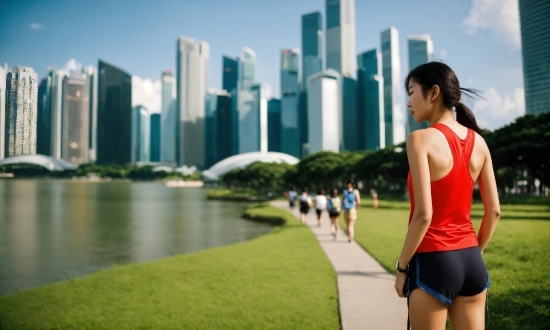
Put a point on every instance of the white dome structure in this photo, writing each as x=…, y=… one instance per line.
x=243, y=160
x=50, y=163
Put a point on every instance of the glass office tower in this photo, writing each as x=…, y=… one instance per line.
x=370, y=101
x=392, y=80
x=75, y=124
x=421, y=50
x=340, y=36
x=274, y=136
x=290, y=93
x=114, y=115
x=535, y=45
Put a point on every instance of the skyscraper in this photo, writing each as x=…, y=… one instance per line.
x=252, y=119
x=349, y=114
x=3, y=73
x=421, y=51
x=155, y=137
x=168, y=121
x=75, y=121
x=325, y=111
x=230, y=79
x=392, y=80
x=114, y=115
x=312, y=46
x=192, y=62
x=274, y=136
x=90, y=73
x=370, y=101
x=21, y=112
x=211, y=128
x=56, y=106
x=248, y=68
x=290, y=90
x=44, y=120
x=340, y=45
x=224, y=115
x=535, y=45
x=141, y=134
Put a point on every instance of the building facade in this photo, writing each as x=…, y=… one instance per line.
x=56, y=110
x=340, y=36
x=90, y=74
x=224, y=116
x=325, y=111
x=252, y=106
x=392, y=80
x=75, y=122
x=421, y=50
x=191, y=76
x=168, y=121
x=312, y=46
x=247, y=72
x=230, y=78
x=155, y=137
x=274, y=136
x=43, y=123
x=21, y=112
x=370, y=101
x=290, y=93
x=114, y=115
x=141, y=134
x=3, y=76
x=211, y=128
x=535, y=48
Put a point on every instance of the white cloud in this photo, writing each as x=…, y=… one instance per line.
x=499, y=110
x=72, y=66
x=36, y=26
x=147, y=93
x=501, y=17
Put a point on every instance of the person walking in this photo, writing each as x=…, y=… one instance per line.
x=292, y=196
x=374, y=195
x=320, y=205
x=350, y=200
x=334, y=205
x=441, y=254
x=305, y=204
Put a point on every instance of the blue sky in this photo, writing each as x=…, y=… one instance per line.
x=479, y=39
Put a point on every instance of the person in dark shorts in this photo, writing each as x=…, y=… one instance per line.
x=334, y=206
x=305, y=204
x=320, y=205
x=440, y=269
x=292, y=196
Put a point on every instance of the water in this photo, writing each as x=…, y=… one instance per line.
x=54, y=230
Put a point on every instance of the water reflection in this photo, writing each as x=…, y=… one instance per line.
x=53, y=230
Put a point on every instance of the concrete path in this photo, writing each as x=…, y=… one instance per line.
x=367, y=299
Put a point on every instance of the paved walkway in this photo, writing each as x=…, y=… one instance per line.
x=367, y=299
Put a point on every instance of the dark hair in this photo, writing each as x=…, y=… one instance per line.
x=349, y=181
x=322, y=191
x=304, y=190
x=334, y=192
x=436, y=73
x=291, y=187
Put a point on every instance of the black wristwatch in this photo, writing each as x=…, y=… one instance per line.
x=399, y=269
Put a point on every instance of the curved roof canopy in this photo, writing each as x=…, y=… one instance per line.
x=243, y=160
x=50, y=163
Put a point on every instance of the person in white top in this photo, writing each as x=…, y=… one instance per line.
x=320, y=205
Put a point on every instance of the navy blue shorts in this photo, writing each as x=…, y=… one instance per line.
x=447, y=274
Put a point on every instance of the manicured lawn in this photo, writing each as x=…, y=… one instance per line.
x=517, y=258
x=278, y=281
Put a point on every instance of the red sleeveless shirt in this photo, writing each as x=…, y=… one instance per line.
x=451, y=227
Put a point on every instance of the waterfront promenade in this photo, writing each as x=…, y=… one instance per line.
x=366, y=296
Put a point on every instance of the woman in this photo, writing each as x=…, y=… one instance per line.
x=305, y=204
x=320, y=205
x=351, y=200
x=442, y=254
x=374, y=195
x=334, y=205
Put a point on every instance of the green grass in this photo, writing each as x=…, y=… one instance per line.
x=281, y=280
x=517, y=258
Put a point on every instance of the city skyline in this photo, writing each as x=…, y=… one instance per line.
x=451, y=29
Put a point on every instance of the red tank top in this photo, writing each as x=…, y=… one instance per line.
x=451, y=227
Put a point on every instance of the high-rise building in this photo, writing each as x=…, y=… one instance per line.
x=75, y=121
x=90, y=73
x=141, y=134
x=21, y=112
x=155, y=137
x=392, y=80
x=274, y=136
x=114, y=115
x=340, y=34
x=211, y=128
x=224, y=115
x=230, y=79
x=535, y=44
x=421, y=50
x=44, y=120
x=290, y=93
x=3, y=73
x=252, y=105
x=248, y=68
x=370, y=101
x=325, y=111
x=312, y=46
x=56, y=110
x=168, y=121
x=349, y=114
x=192, y=62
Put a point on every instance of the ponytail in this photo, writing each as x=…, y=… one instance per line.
x=465, y=116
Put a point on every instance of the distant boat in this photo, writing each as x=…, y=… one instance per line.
x=181, y=183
